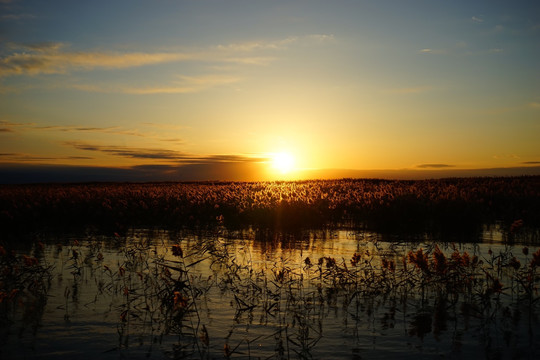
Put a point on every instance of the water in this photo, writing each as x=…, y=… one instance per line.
x=254, y=295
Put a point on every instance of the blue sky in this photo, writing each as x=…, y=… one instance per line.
x=341, y=85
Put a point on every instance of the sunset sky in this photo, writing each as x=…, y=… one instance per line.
x=218, y=90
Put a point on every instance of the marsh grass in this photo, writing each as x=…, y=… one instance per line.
x=24, y=283
x=213, y=296
x=445, y=208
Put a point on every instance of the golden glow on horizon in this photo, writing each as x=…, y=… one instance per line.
x=283, y=162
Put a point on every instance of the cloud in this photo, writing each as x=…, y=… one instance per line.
x=433, y=51
x=127, y=152
x=434, y=166
x=279, y=44
x=176, y=140
x=31, y=158
x=250, y=60
x=258, y=45
x=48, y=58
x=14, y=124
x=181, y=88
x=184, y=84
x=534, y=105
x=166, y=155
x=321, y=37
x=531, y=162
x=15, y=17
x=55, y=58
x=115, y=130
x=506, y=156
x=477, y=19
x=11, y=127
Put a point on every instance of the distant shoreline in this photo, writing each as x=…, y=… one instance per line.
x=35, y=174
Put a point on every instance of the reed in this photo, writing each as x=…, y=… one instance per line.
x=440, y=208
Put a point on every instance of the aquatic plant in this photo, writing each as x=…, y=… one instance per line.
x=165, y=290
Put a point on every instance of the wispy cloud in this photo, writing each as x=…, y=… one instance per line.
x=477, y=19
x=14, y=127
x=166, y=155
x=48, y=58
x=461, y=49
x=14, y=124
x=53, y=58
x=11, y=127
x=260, y=60
x=57, y=58
x=433, y=51
x=162, y=126
x=531, y=162
x=506, y=156
x=189, y=85
x=321, y=37
x=7, y=127
x=258, y=45
x=32, y=158
x=279, y=44
x=534, y=105
x=184, y=84
x=434, y=166
x=16, y=17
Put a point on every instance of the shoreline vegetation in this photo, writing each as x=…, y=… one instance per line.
x=438, y=208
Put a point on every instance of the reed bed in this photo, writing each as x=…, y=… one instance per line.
x=457, y=207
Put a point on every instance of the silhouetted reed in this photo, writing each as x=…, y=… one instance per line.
x=442, y=208
x=159, y=291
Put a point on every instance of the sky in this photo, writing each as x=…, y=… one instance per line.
x=257, y=90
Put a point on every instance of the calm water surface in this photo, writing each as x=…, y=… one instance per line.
x=251, y=295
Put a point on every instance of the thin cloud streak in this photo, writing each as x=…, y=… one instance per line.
x=62, y=62
x=16, y=17
x=186, y=84
x=433, y=51
x=434, y=166
x=276, y=44
x=166, y=155
x=114, y=130
x=31, y=158
x=477, y=19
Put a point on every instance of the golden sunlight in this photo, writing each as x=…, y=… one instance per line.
x=283, y=162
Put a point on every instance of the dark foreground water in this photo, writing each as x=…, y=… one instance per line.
x=319, y=294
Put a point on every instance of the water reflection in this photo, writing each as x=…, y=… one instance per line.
x=318, y=294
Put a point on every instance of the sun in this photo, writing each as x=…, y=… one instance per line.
x=283, y=162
